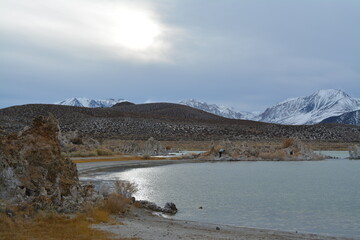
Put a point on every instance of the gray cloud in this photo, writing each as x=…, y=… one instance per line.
x=248, y=54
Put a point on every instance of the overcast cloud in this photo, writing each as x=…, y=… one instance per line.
x=247, y=54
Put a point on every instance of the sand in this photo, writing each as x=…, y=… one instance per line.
x=143, y=224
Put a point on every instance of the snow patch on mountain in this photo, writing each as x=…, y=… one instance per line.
x=90, y=103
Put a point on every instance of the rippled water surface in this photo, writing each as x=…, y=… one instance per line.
x=318, y=197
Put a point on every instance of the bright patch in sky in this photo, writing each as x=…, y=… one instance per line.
x=115, y=29
x=134, y=30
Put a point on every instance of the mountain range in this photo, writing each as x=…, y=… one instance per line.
x=220, y=110
x=306, y=110
x=315, y=108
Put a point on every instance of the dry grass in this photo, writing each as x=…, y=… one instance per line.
x=104, y=152
x=118, y=158
x=116, y=204
x=53, y=226
x=277, y=155
x=83, y=154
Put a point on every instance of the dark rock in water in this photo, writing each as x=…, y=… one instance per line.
x=200, y=207
x=149, y=205
x=32, y=169
x=169, y=208
x=217, y=228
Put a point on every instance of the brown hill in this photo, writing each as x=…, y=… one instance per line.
x=166, y=121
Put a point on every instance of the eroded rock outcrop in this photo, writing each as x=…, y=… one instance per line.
x=32, y=169
x=290, y=149
x=354, y=152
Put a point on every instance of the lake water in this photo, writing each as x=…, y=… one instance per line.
x=316, y=197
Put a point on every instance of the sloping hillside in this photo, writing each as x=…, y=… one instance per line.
x=346, y=118
x=165, y=121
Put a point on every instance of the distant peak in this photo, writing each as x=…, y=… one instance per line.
x=330, y=92
x=92, y=103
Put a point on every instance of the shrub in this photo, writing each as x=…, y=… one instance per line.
x=104, y=152
x=83, y=154
x=116, y=203
x=76, y=140
x=287, y=142
x=126, y=189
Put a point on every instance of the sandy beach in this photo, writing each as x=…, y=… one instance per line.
x=144, y=224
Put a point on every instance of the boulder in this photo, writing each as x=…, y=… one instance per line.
x=170, y=208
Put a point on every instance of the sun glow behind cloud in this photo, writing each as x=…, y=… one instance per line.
x=89, y=28
x=134, y=30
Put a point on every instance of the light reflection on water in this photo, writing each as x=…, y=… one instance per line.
x=317, y=197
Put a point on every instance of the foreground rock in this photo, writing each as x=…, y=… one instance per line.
x=33, y=171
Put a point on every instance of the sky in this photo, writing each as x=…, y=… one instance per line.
x=247, y=54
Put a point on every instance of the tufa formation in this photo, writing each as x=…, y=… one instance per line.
x=33, y=171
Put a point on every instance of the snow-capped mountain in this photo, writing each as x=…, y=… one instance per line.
x=295, y=111
x=311, y=109
x=91, y=103
x=220, y=110
x=346, y=118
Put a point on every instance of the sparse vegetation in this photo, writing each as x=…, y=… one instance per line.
x=104, y=152
x=25, y=223
x=83, y=154
x=125, y=188
x=53, y=226
x=287, y=142
x=116, y=204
